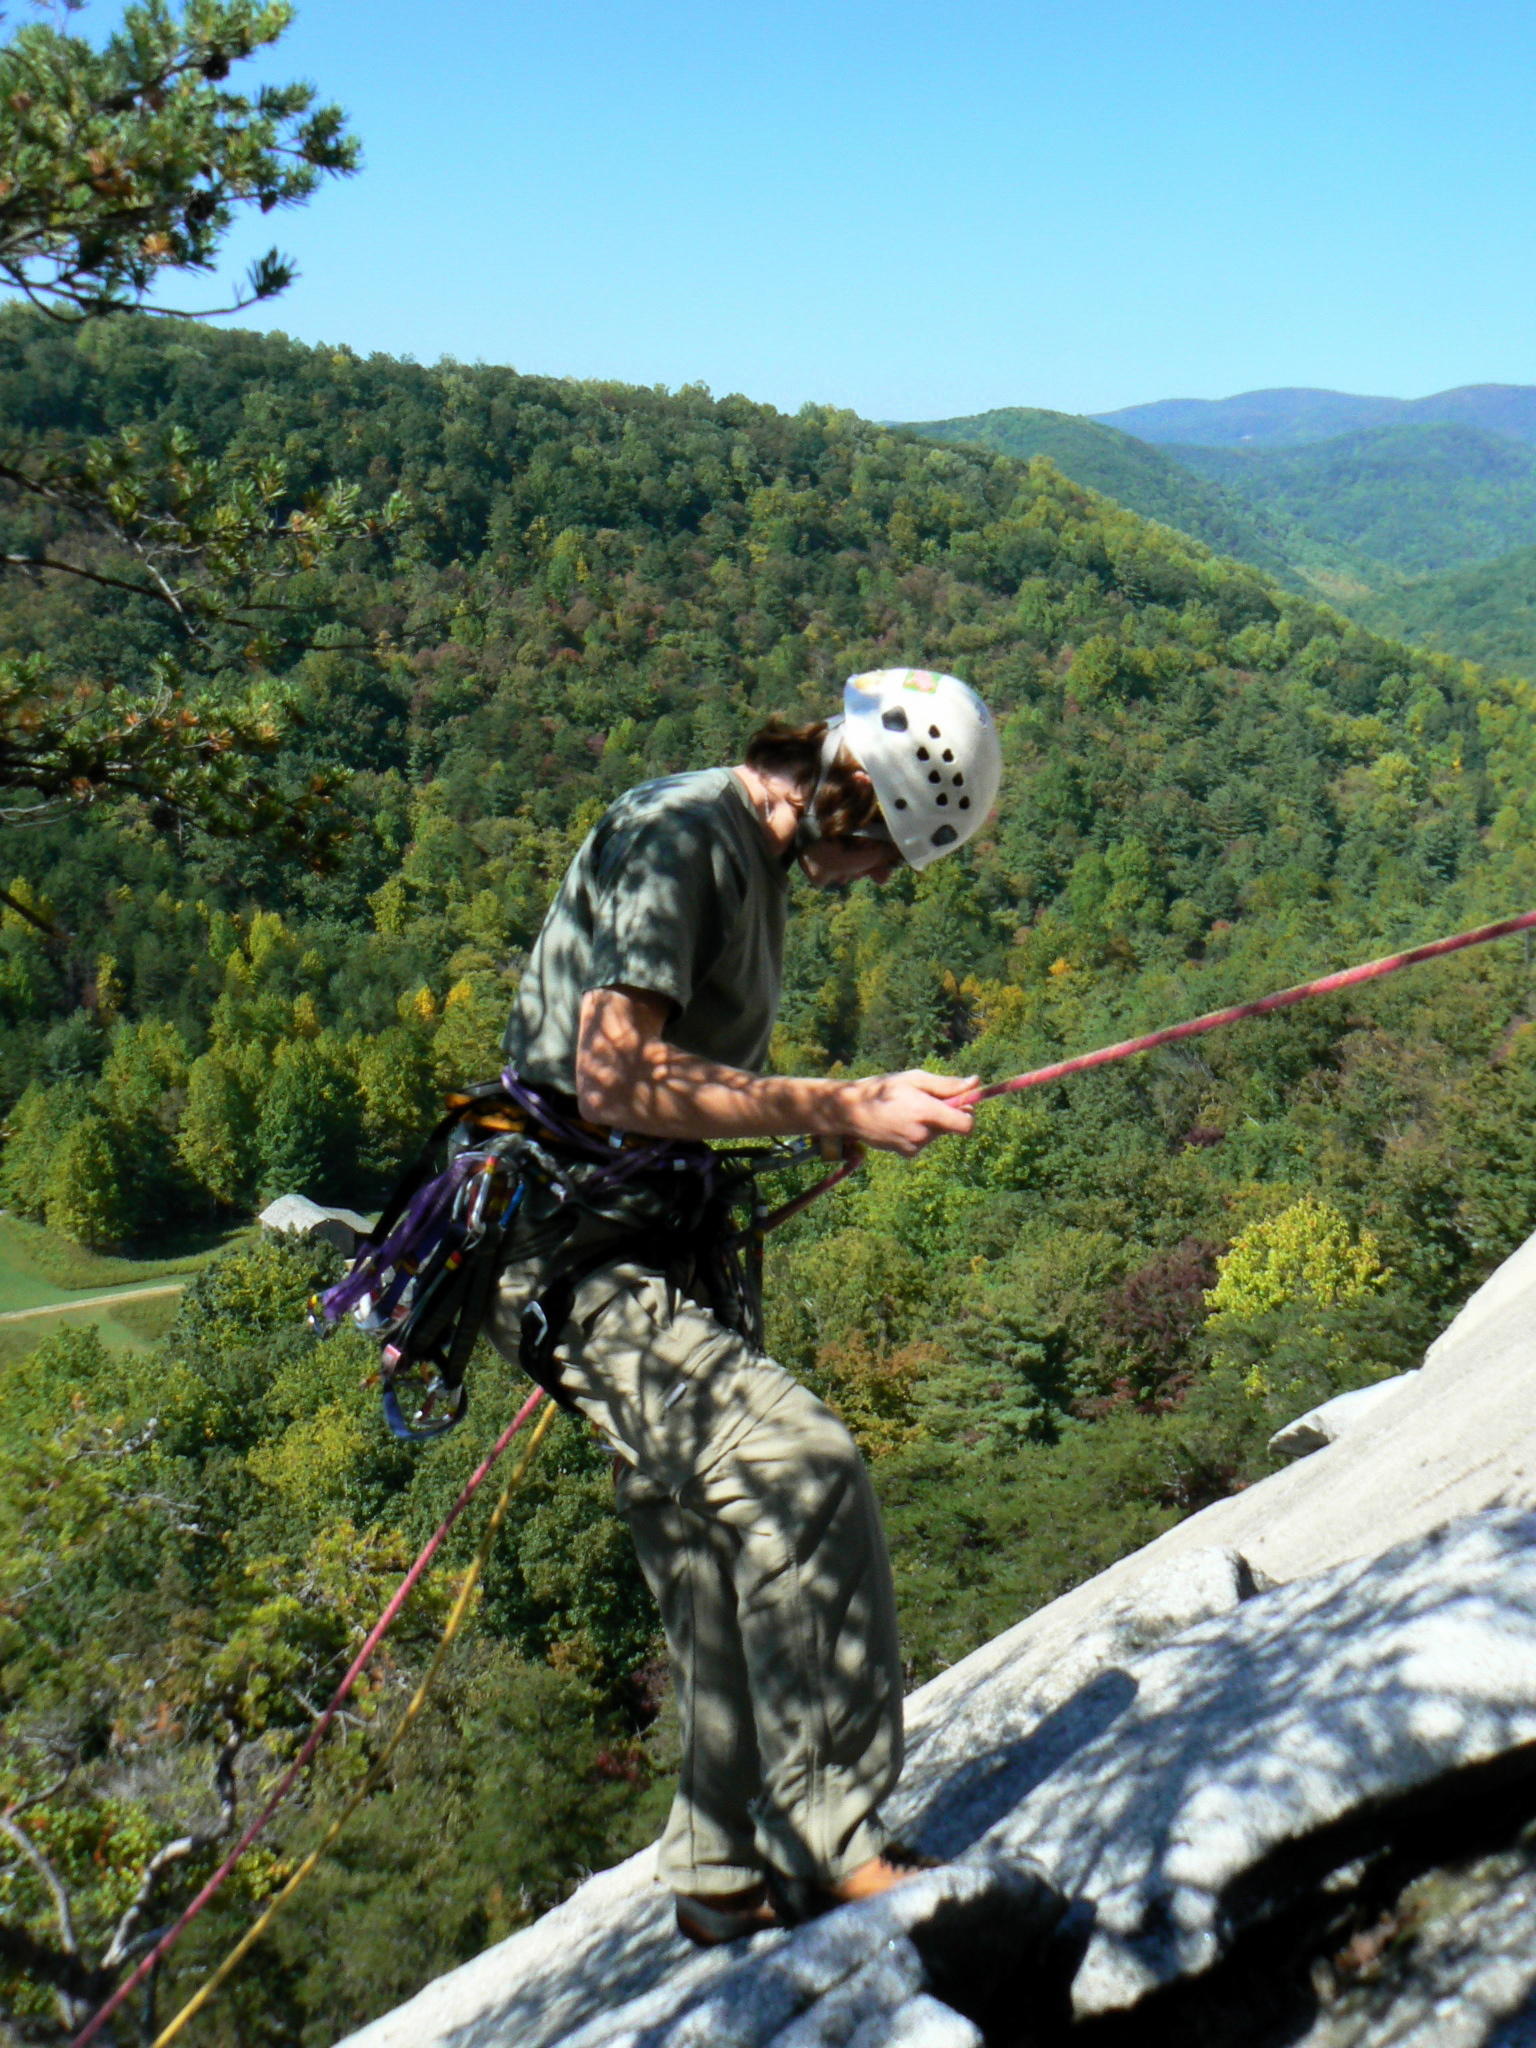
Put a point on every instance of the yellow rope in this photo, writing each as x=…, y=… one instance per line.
x=418, y=1699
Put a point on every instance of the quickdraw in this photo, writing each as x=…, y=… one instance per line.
x=420, y=1282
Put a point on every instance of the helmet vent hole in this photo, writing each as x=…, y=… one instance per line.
x=895, y=720
x=945, y=836
x=958, y=781
x=948, y=754
x=934, y=733
x=941, y=800
x=901, y=803
x=922, y=753
x=965, y=803
x=934, y=775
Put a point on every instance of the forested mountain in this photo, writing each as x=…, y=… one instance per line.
x=1486, y=612
x=1288, y=418
x=1140, y=477
x=1053, y=1339
x=1371, y=521
x=1164, y=487
x=1418, y=498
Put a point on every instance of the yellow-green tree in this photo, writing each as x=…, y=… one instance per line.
x=467, y=1045
x=306, y=1140
x=1307, y=1253
x=1282, y=1276
x=216, y=1141
x=35, y=1127
x=394, y=1079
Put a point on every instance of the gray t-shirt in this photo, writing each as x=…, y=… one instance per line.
x=675, y=892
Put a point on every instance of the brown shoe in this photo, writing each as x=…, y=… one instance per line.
x=797, y=1899
x=728, y=1916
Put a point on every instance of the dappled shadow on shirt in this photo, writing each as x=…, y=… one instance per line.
x=674, y=894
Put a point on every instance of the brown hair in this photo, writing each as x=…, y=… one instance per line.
x=844, y=806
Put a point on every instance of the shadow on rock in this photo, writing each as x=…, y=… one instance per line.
x=1006, y=1959
x=1341, y=1948
x=962, y=1809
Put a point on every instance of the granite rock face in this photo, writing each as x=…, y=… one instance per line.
x=1244, y=1753
x=1270, y=1783
x=868, y=1974
x=974, y=1751
x=1330, y=1420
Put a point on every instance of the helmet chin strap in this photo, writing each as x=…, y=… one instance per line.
x=808, y=832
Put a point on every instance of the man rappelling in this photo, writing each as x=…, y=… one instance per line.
x=644, y=1018
x=585, y=1215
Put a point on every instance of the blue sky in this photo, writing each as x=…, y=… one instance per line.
x=919, y=211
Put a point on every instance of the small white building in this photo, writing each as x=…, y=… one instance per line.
x=301, y=1217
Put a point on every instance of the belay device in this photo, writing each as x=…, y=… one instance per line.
x=512, y=1172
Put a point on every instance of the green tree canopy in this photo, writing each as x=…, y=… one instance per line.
x=124, y=165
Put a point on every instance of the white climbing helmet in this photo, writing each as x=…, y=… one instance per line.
x=929, y=746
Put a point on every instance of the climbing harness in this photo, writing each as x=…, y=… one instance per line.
x=514, y=1172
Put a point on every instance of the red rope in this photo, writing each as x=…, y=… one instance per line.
x=1194, y=1027
x=823, y=1187
x=312, y=1742
x=1347, y=977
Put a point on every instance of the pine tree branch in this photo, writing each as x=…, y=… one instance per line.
x=178, y=1851
x=162, y=595
x=48, y=929
x=68, y=1950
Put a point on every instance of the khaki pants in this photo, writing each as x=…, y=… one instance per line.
x=758, y=1533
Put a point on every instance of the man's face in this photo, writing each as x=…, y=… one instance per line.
x=834, y=863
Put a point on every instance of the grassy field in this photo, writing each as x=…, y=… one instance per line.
x=125, y=1326
x=41, y=1270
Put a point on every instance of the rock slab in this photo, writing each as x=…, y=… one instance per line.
x=1178, y=1796
x=1241, y=1750
x=1326, y=1423
x=1173, y=1803
x=607, y=1960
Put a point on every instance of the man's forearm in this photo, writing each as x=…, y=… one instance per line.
x=629, y=1077
x=660, y=1092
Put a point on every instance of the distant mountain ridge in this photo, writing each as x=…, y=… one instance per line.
x=1156, y=485
x=1423, y=529
x=1417, y=496
x=1164, y=485
x=1292, y=416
